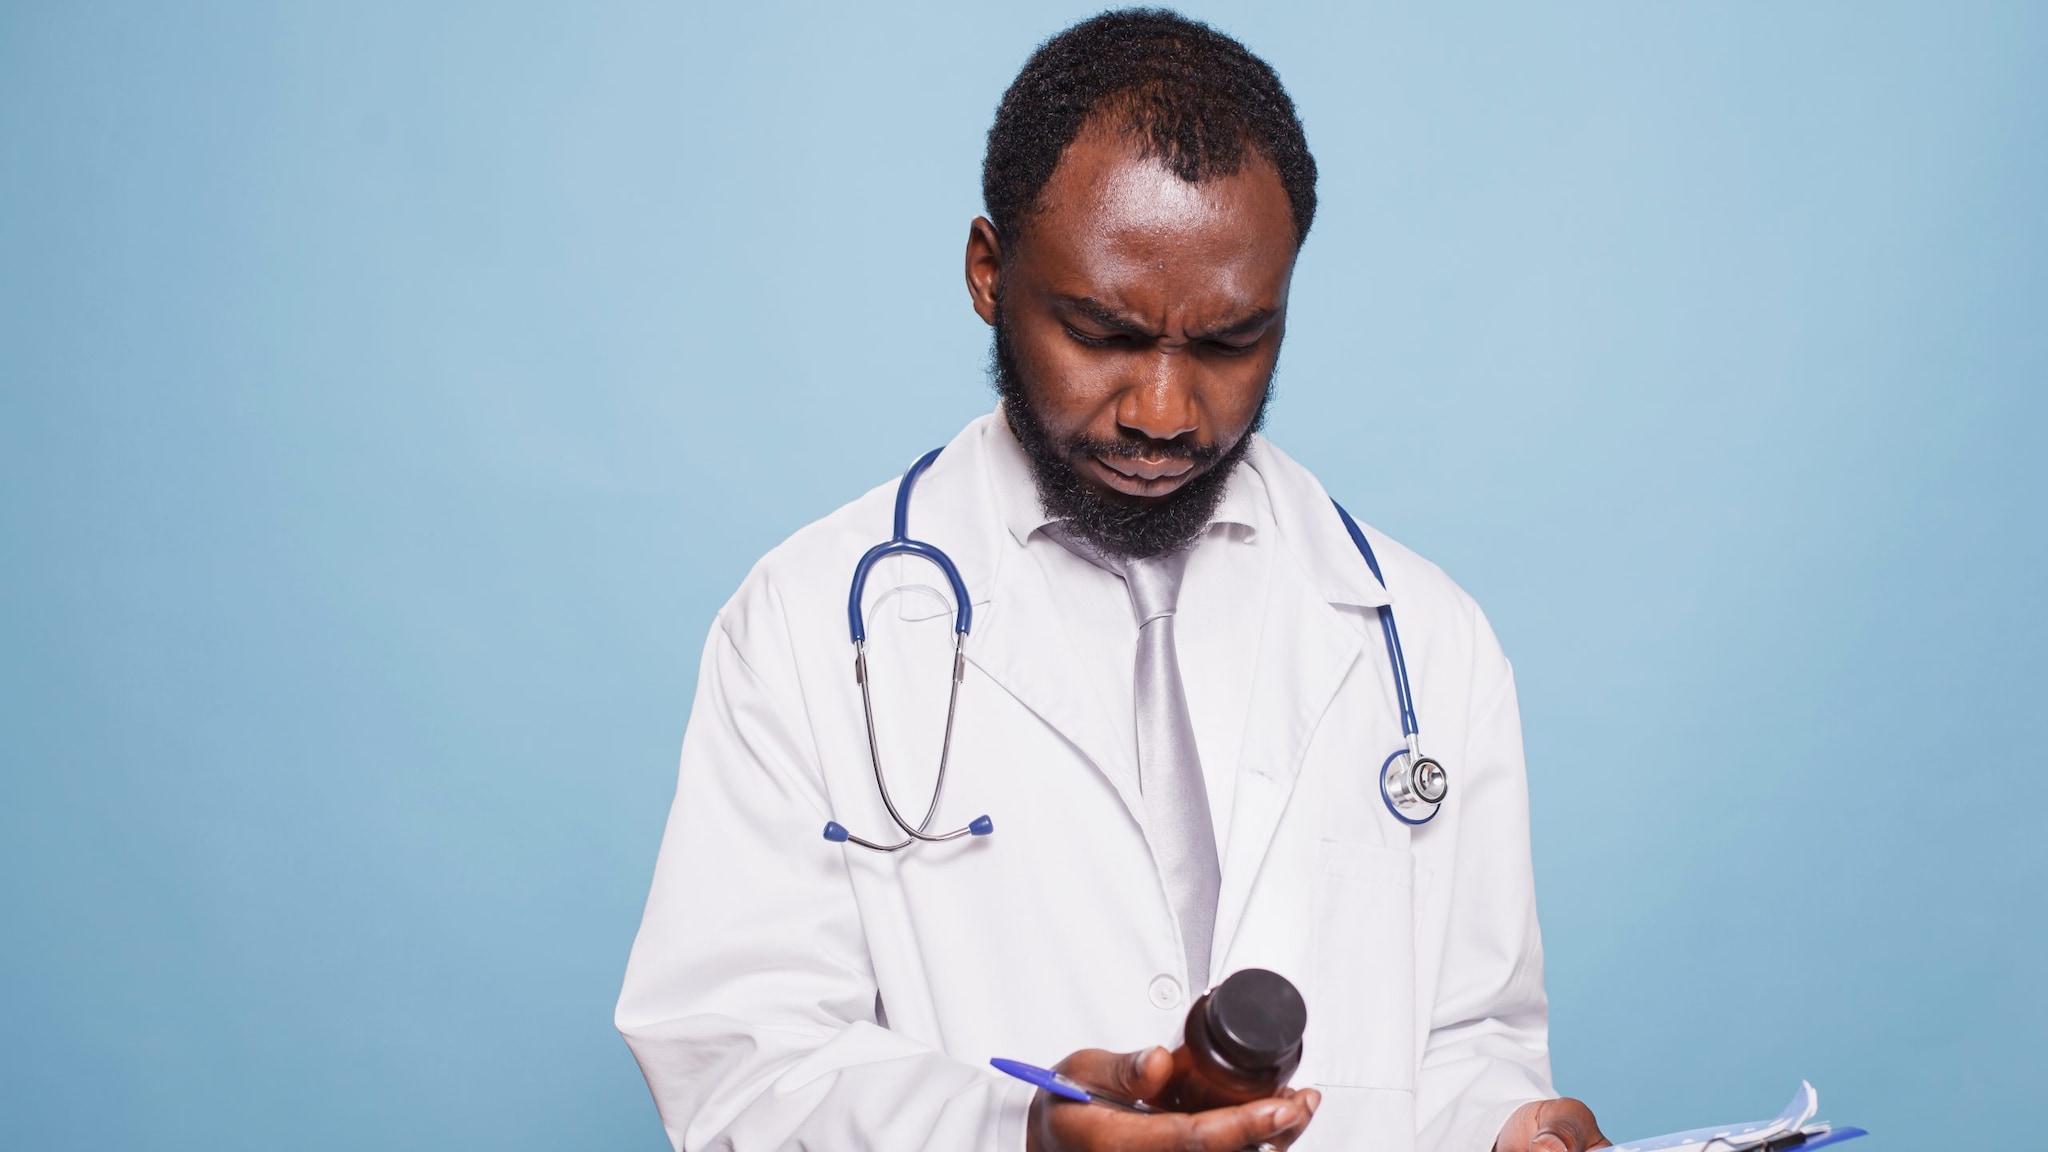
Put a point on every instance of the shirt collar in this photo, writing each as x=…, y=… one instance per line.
x=1016, y=491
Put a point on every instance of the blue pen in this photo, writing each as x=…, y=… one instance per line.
x=1064, y=1088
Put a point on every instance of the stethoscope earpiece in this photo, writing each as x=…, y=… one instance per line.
x=837, y=833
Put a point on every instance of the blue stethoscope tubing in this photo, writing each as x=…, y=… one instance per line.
x=899, y=543
x=1412, y=785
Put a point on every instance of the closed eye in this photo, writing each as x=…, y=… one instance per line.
x=1227, y=348
x=1120, y=340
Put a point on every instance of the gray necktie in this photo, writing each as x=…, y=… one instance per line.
x=1170, y=767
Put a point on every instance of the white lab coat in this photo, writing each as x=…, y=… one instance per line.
x=788, y=992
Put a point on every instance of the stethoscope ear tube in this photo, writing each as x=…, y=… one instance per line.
x=979, y=826
x=901, y=544
x=867, y=704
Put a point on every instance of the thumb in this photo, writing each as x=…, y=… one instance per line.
x=1130, y=1074
x=1142, y=1074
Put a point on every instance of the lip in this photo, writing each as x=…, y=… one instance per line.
x=1137, y=476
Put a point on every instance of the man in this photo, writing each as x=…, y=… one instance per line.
x=1174, y=702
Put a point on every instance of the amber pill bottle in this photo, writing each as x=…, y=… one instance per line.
x=1243, y=1043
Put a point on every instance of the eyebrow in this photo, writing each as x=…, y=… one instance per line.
x=1120, y=321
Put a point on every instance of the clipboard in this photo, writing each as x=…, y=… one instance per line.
x=1794, y=1127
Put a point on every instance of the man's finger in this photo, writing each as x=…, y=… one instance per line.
x=1565, y=1125
x=1132, y=1075
x=1276, y=1121
x=1310, y=1100
x=1144, y=1075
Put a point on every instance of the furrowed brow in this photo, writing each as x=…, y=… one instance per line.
x=1237, y=328
x=1118, y=321
x=1108, y=317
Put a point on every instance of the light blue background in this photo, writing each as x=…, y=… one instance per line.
x=389, y=394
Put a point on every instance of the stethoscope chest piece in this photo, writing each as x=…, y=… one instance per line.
x=1413, y=786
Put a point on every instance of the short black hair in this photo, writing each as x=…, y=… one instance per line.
x=1186, y=93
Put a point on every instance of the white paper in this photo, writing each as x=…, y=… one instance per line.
x=1797, y=1117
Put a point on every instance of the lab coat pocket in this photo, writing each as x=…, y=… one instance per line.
x=1361, y=1006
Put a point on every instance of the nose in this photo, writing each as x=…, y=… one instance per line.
x=1161, y=405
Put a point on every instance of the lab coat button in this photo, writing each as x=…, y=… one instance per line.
x=1165, y=991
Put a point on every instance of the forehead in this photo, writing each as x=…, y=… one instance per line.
x=1115, y=225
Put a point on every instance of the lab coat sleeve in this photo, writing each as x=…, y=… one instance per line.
x=1487, y=1052
x=749, y=1000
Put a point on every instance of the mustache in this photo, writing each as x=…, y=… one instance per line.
x=1140, y=447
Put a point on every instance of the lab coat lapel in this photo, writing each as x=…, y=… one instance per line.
x=1320, y=598
x=1020, y=634
x=1020, y=643
x=1307, y=649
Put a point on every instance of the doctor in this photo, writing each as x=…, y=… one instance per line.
x=1174, y=705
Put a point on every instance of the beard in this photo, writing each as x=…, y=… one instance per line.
x=1119, y=526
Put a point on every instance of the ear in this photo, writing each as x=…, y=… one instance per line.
x=984, y=268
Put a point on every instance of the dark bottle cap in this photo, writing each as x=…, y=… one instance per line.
x=1256, y=1019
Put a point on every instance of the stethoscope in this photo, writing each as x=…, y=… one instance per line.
x=1412, y=785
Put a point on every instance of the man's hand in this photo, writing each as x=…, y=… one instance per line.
x=1564, y=1125
x=1064, y=1126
